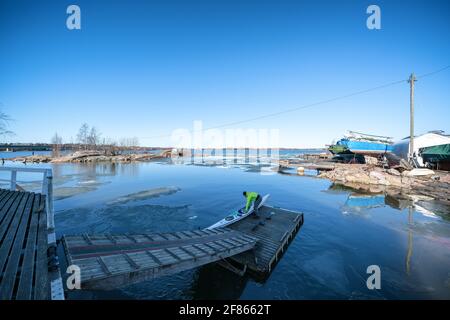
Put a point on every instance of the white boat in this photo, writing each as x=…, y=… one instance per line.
x=237, y=215
x=432, y=138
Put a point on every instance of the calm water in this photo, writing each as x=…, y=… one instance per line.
x=344, y=231
x=9, y=155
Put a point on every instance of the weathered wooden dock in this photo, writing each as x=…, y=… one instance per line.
x=23, y=250
x=274, y=228
x=28, y=269
x=109, y=261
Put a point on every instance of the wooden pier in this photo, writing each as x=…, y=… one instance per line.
x=108, y=261
x=23, y=250
x=111, y=261
x=274, y=228
x=29, y=266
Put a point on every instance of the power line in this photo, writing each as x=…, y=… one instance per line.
x=274, y=114
x=434, y=72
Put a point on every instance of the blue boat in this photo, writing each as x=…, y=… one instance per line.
x=366, y=144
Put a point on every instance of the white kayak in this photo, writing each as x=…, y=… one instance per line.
x=237, y=215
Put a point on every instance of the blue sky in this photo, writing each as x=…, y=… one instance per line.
x=145, y=68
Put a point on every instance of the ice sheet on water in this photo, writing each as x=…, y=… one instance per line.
x=67, y=192
x=145, y=194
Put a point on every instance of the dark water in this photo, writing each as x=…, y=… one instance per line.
x=344, y=231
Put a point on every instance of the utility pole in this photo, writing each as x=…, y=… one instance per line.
x=411, y=80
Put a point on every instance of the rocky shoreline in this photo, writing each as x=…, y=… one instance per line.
x=92, y=156
x=417, y=182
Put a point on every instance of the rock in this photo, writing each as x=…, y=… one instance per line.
x=393, y=172
x=420, y=172
x=370, y=160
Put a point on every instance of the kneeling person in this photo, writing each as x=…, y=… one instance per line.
x=252, y=197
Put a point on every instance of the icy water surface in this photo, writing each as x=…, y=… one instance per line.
x=344, y=231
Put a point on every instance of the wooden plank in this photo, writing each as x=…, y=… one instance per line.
x=186, y=234
x=4, y=196
x=153, y=257
x=8, y=230
x=226, y=247
x=10, y=274
x=111, y=238
x=5, y=212
x=103, y=265
x=210, y=247
x=24, y=291
x=87, y=238
x=41, y=289
x=188, y=252
x=148, y=237
x=198, y=233
x=131, y=261
x=131, y=238
x=173, y=255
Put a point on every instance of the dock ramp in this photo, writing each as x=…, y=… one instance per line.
x=111, y=261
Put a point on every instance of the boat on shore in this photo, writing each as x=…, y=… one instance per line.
x=437, y=157
x=361, y=143
x=421, y=143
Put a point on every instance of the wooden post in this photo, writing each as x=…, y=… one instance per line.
x=13, y=180
x=411, y=80
x=48, y=184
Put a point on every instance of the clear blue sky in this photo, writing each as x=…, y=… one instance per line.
x=145, y=68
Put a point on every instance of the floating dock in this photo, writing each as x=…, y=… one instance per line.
x=274, y=229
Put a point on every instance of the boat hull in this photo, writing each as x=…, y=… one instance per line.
x=365, y=147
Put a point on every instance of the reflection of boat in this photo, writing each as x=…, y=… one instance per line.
x=365, y=201
x=361, y=143
x=430, y=139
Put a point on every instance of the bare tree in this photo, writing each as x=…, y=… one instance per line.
x=56, y=145
x=93, y=138
x=134, y=142
x=129, y=142
x=82, y=136
x=4, y=122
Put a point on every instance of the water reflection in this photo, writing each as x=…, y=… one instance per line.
x=213, y=282
x=360, y=202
